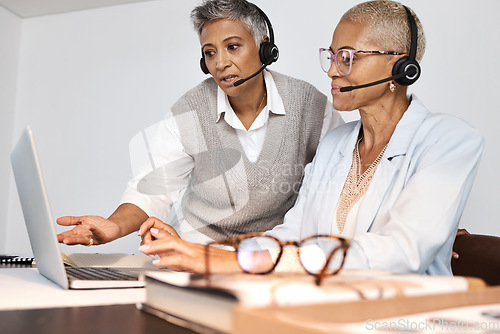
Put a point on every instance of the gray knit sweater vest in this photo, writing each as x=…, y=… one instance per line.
x=227, y=195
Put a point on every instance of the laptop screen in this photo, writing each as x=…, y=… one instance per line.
x=36, y=209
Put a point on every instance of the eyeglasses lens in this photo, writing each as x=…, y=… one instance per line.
x=342, y=59
x=315, y=252
x=325, y=59
x=258, y=255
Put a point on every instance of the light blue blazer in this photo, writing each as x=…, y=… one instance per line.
x=408, y=218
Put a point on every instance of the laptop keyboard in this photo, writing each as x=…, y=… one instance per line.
x=100, y=274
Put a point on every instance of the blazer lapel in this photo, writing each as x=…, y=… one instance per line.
x=374, y=196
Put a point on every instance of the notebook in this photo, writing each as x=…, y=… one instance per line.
x=41, y=228
x=15, y=259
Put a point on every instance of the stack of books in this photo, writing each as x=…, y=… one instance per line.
x=190, y=301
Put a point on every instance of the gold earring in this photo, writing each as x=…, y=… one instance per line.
x=392, y=87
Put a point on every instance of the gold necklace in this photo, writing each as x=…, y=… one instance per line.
x=355, y=185
x=368, y=173
x=259, y=109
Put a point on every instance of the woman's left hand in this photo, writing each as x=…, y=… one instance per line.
x=151, y=227
x=180, y=255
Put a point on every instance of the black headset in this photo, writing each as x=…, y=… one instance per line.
x=268, y=51
x=408, y=65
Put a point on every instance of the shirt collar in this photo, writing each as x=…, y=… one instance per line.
x=274, y=101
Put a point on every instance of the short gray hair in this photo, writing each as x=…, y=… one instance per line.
x=236, y=10
x=388, y=22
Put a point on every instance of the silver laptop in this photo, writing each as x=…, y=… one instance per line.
x=41, y=228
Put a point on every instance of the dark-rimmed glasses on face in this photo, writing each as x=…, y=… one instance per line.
x=258, y=253
x=343, y=58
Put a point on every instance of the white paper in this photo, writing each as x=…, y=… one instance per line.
x=25, y=288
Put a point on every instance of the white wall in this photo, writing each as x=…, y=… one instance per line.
x=10, y=38
x=89, y=80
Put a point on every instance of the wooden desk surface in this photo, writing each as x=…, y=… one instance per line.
x=86, y=320
x=109, y=319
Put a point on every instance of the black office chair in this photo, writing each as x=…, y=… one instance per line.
x=479, y=256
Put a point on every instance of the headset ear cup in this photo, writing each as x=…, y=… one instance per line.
x=398, y=68
x=408, y=66
x=264, y=52
x=203, y=66
x=268, y=53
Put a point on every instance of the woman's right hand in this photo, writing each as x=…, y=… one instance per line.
x=88, y=230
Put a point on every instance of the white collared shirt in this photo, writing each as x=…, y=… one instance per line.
x=164, y=148
x=252, y=139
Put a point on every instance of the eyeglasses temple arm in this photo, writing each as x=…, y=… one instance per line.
x=322, y=273
x=207, y=263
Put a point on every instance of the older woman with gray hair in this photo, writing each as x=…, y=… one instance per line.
x=230, y=154
x=395, y=182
